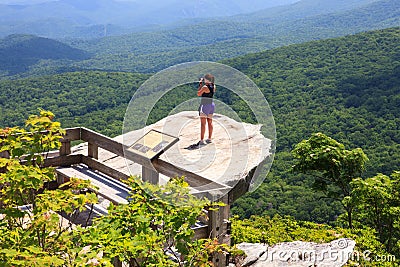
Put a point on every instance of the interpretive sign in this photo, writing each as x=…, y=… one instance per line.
x=153, y=144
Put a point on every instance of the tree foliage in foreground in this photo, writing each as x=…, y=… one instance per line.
x=154, y=229
x=31, y=231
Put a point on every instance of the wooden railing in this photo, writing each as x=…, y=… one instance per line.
x=96, y=140
x=217, y=225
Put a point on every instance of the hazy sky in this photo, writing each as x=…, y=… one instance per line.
x=41, y=1
x=22, y=1
x=35, y=1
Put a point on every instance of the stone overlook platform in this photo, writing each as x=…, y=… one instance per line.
x=236, y=149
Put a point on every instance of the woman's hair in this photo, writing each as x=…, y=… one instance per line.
x=209, y=77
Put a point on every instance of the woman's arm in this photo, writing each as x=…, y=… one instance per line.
x=203, y=89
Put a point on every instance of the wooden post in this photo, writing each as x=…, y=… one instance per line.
x=217, y=228
x=5, y=154
x=93, y=151
x=150, y=176
x=61, y=178
x=117, y=262
x=65, y=150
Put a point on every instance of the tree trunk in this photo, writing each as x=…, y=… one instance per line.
x=350, y=216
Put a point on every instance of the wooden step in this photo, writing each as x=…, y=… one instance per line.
x=109, y=188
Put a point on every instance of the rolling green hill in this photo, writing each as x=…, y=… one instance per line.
x=347, y=88
x=18, y=53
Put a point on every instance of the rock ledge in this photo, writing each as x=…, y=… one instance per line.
x=298, y=253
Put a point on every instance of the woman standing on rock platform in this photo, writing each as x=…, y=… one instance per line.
x=206, y=90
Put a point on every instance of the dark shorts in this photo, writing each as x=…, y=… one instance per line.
x=207, y=109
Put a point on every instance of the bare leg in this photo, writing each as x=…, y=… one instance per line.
x=203, y=127
x=210, y=127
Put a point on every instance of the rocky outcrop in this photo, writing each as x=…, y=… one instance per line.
x=298, y=253
x=236, y=151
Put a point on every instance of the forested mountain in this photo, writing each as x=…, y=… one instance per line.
x=98, y=18
x=376, y=15
x=225, y=38
x=20, y=52
x=347, y=88
x=304, y=8
x=215, y=39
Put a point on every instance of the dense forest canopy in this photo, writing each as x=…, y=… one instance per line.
x=94, y=99
x=347, y=88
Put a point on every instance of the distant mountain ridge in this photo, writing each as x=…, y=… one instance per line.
x=67, y=18
x=304, y=8
x=376, y=15
x=214, y=40
x=239, y=35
